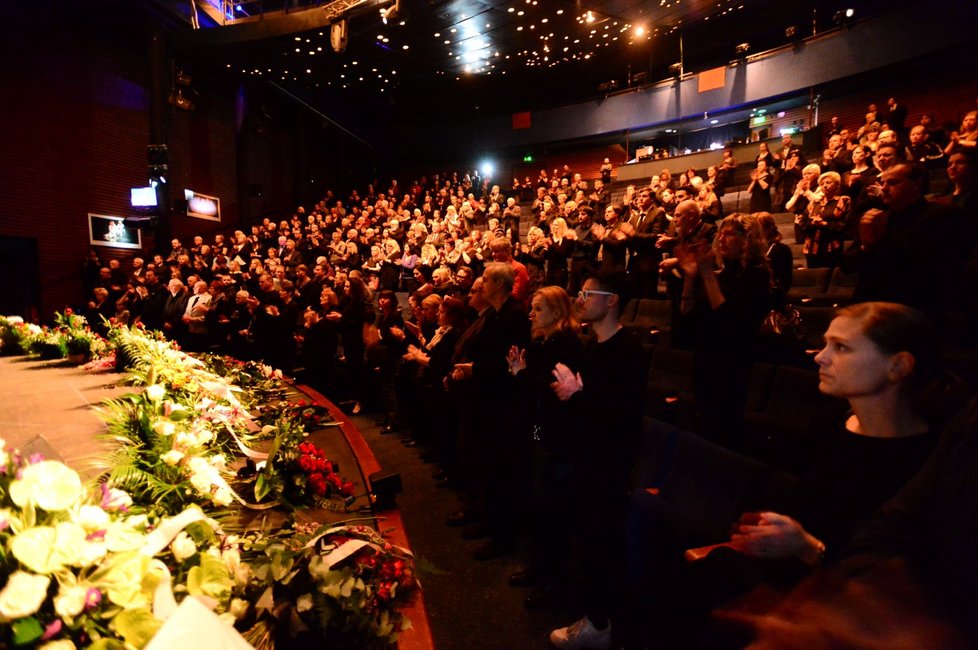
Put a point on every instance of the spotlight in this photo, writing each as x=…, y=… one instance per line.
x=843, y=16
x=676, y=69
x=391, y=12
x=742, y=49
x=791, y=32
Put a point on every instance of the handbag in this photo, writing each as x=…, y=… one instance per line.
x=785, y=324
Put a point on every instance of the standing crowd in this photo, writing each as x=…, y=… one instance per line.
x=489, y=371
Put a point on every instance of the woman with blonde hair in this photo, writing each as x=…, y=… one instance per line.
x=824, y=224
x=558, y=253
x=726, y=295
x=551, y=430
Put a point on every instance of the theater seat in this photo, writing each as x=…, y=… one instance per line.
x=670, y=385
x=841, y=288
x=785, y=432
x=808, y=285
x=712, y=485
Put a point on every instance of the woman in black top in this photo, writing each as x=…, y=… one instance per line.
x=883, y=358
x=760, y=187
x=723, y=309
x=551, y=426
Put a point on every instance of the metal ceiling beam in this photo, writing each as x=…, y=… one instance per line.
x=272, y=24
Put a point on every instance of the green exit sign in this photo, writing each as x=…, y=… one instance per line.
x=757, y=121
x=527, y=158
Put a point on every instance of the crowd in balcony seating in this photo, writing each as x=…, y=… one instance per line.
x=485, y=367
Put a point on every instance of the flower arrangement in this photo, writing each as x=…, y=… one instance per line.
x=70, y=335
x=311, y=416
x=74, y=571
x=344, y=582
x=301, y=476
x=105, y=567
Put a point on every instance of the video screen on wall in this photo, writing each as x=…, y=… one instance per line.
x=202, y=206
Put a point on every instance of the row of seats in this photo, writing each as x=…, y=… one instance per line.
x=784, y=414
x=708, y=485
x=822, y=286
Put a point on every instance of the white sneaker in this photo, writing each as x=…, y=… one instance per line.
x=581, y=634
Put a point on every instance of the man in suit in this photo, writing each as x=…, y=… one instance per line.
x=649, y=222
x=174, y=308
x=501, y=458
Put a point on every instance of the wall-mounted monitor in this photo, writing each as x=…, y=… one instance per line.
x=105, y=230
x=202, y=206
x=142, y=197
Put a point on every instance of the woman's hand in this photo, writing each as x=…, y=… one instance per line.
x=567, y=382
x=517, y=360
x=773, y=536
x=462, y=371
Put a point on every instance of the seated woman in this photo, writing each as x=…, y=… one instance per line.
x=825, y=223
x=550, y=424
x=884, y=359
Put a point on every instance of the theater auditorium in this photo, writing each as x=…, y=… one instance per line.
x=489, y=324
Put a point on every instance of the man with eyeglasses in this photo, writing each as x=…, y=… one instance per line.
x=608, y=396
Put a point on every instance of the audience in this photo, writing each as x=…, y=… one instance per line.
x=486, y=369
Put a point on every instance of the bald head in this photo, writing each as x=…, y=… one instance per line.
x=687, y=216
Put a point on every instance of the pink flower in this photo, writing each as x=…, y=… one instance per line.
x=52, y=630
x=93, y=598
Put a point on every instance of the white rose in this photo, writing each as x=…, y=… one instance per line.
x=23, y=595
x=232, y=559
x=172, y=457
x=217, y=460
x=183, y=547
x=201, y=482
x=92, y=518
x=164, y=428
x=239, y=607
x=223, y=497
x=304, y=603
x=155, y=392
x=185, y=440
x=70, y=601
x=242, y=576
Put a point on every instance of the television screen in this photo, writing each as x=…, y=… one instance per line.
x=143, y=197
x=202, y=206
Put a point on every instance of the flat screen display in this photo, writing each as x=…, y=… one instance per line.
x=143, y=197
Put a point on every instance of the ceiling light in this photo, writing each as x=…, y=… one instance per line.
x=589, y=17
